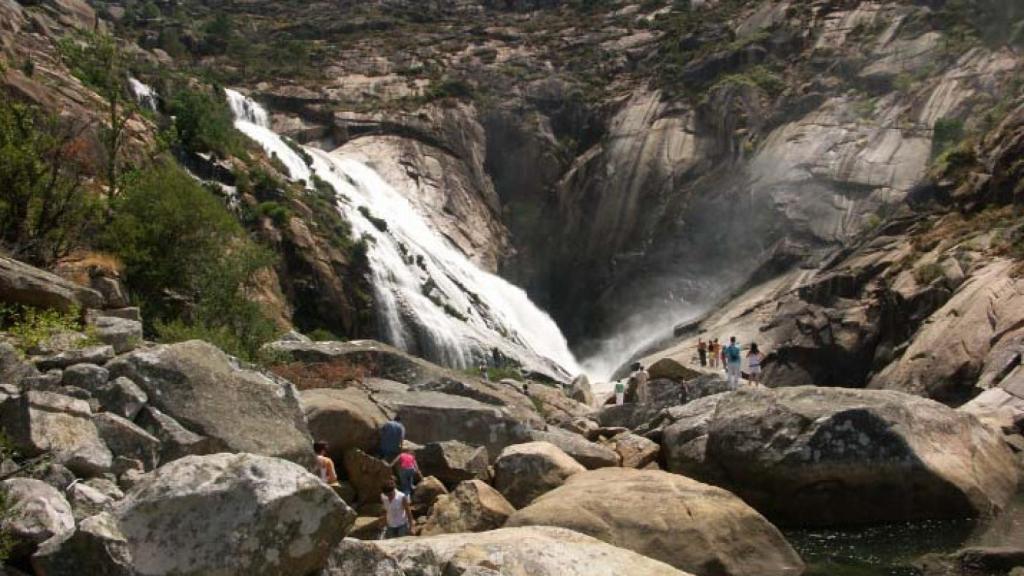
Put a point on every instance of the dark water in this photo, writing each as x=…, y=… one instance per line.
x=891, y=550
x=888, y=550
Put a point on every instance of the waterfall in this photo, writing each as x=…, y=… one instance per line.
x=144, y=94
x=431, y=299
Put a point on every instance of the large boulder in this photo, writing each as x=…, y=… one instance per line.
x=525, y=471
x=815, y=456
x=375, y=358
x=228, y=514
x=176, y=441
x=97, y=547
x=39, y=422
x=121, y=333
x=473, y=507
x=536, y=551
x=436, y=417
x=29, y=286
x=452, y=461
x=366, y=473
x=692, y=526
x=124, y=438
x=669, y=369
x=581, y=391
x=12, y=367
x=663, y=394
x=212, y=395
x=344, y=418
x=35, y=513
x=590, y=454
x=635, y=451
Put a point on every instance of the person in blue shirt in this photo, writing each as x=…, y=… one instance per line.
x=392, y=434
x=733, y=362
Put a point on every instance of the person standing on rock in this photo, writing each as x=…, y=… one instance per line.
x=713, y=352
x=754, y=360
x=324, y=464
x=702, y=352
x=392, y=434
x=620, y=392
x=408, y=471
x=641, y=377
x=733, y=357
x=397, y=511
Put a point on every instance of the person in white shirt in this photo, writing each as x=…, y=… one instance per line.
x=397, y=511
x=754, y=361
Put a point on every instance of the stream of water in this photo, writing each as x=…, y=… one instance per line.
x=431, y=300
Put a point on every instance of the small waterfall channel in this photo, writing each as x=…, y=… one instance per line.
x=431, y=299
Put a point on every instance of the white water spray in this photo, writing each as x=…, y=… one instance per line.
x=431, y=299
x=144, y=94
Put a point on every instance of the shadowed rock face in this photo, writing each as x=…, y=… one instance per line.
x=829, y=456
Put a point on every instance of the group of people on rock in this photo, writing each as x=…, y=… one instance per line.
x=396, y=496
x=713, y=354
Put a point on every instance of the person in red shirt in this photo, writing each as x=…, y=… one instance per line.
x=408, y=471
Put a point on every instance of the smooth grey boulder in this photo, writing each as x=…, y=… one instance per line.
x=121, y=396
x=86, y=376
x=581, y=391
x=176, y=441
x=452, y=461
x=436, y=417
x=344, y=418
x=533, y=551
x=212, y=395
x=473, y=507
x=121, y=333
x=39, y=422
x=87, y=501
x=36, y=512
x=126, y=439
x=98, y=548
x=30, y=286
x=525, y=471
x=90, y=355
x=13, y=369
x=590, y=454
x=692, y=526
x=812, y=456
x=231, y=514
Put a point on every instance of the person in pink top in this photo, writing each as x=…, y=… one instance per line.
x=408, y=471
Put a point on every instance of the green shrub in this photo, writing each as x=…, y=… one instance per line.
x=179, y=243
x=46, y=208
x=928, y=273
x=31, y=326
x=946, y=135
x=277, y=213
x=378, y=223
x=322, y=335
x=204, y=123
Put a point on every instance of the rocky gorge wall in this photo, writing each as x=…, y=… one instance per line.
x=791, y=130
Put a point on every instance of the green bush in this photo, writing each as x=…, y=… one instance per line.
x=322, y=335
x=277, y=213
x=189, y=261
x=946, y=135
x=31, y=326
x=45, y=205
x=204, y=123
x=928, y=273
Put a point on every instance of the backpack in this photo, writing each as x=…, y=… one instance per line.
x=733, y=353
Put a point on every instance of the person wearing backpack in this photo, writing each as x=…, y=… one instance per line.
x=733, y=361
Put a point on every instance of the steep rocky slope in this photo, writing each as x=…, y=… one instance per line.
x=632, y=163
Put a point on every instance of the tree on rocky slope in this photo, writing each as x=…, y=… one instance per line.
x=45, y=203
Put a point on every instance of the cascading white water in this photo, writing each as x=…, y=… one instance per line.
x=252, y=120
x=144, y=94
x=431, y=299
